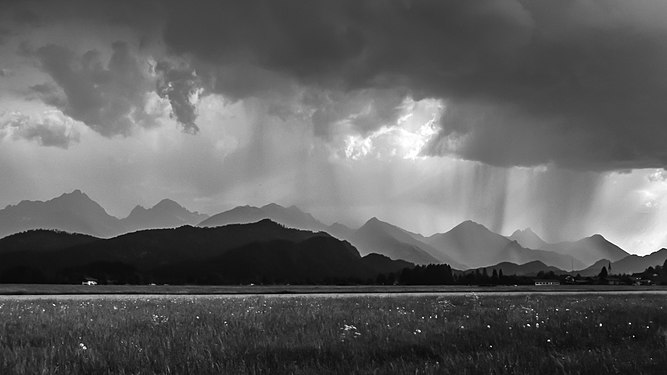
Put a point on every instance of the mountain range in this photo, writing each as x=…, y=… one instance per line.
x=468, y=245
x=473, y=244
x=75, y=212
x=587, y=250
x=627, y=265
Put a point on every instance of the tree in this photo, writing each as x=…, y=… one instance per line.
x=603, y=273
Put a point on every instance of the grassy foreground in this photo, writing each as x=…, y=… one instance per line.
x=547, y=334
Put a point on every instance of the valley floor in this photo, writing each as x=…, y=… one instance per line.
x=524, y=333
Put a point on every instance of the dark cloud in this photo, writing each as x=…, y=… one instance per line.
x=51, y=130
x=107, y=96
x=179, y=86
x=579, y=84
x=111, y=95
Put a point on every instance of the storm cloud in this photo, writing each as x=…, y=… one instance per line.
x=580, y=84
x=107, y=96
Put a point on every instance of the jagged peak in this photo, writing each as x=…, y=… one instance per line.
x=76, y=193
x=525, y=231
x=374, y=221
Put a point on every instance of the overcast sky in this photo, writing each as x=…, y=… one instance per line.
x=543, y=114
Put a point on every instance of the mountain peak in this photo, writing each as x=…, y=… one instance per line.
x=528, y=238
x=470, y=225
x=168, y=203
x=524, y=232
x=375, y=222
x=74, y=194
x=295, y=208
x=138, y=208
x=272, y=206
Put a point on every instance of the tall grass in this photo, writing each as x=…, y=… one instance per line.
x=307, y=335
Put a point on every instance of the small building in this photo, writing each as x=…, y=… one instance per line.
x=89, y=281
x=540, y=282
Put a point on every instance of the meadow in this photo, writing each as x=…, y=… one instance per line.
x=426, y=334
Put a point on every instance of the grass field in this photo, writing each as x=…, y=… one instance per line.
x=527, y=334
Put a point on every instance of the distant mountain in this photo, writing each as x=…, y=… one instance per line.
x=628, y=265
x=291, y=217
x=339, y=230
x=39, y=240
x=242, y=253
x=473, y=244
x=526, y=269
x=165, y=214
x=376, y=236
x=589, y=249
x=72, y=212
x=528, y=238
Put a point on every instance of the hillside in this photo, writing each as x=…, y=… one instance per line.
x=258, y=252
x=40, y=240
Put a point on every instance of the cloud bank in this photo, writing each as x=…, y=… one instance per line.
x=578, y=84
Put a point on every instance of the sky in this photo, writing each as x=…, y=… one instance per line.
x=543, y=114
